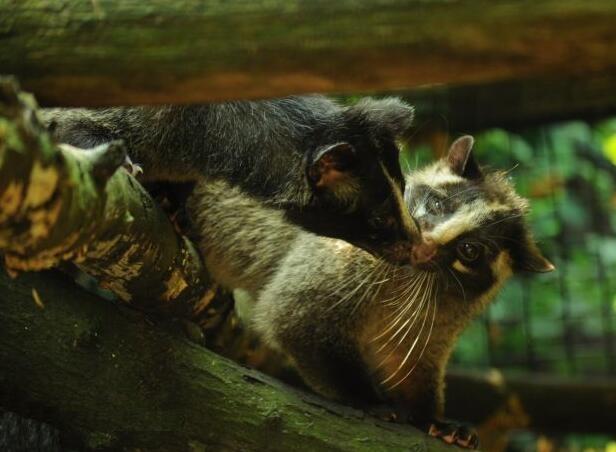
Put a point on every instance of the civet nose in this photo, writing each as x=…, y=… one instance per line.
x=423, y=252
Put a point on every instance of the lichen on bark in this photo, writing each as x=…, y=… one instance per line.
x=59, y=203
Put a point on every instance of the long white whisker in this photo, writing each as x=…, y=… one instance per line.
x=399, y=299
x=413, y=316
x=408, y=354
x=404, y=309
x=351, y=293
x=510, y=217
x=459, y=193
x=412, y=319
x=422, y=350
x=381, y=269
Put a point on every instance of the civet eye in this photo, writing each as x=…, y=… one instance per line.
x=435, y=206
x=468, y=252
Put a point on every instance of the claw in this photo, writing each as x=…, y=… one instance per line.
x=133, y=169
x=453, y=433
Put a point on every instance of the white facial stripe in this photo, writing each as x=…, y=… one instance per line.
x=437, y=189
x=435, y=175
x=460, y=267
x=465, y=219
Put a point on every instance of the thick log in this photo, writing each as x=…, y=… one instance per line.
x=105, y=52
x=111, y=380
x=60, y=204
x=493, y=400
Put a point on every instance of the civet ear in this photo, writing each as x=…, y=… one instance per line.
x=331, y=166
x=529, y=258
x=461, y=160
x=390, y=113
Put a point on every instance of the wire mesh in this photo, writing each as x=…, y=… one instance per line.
x=561, y=322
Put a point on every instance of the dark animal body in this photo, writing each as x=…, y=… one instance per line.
x=332, y=170
x=272, y=175
x=357, y=328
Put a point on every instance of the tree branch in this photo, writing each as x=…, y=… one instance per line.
x=60, y=204
x=109, y=379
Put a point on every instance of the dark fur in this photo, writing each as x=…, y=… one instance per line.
x=19, y=434
x=266, y=147
x=326, y=303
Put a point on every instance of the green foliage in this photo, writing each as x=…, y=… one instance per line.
x=563, y=322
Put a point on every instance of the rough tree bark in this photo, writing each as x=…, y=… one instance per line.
x=60, y=204
x=104, y=52
x=109, y=379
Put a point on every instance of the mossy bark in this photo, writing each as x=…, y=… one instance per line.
x=109, y=379
x=60, y=204
x=106, y=52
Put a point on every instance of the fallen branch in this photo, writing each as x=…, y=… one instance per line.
x=110, y=380
x=60, y=204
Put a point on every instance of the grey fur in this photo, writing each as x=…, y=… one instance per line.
x=266, y=147
x=391, y=112
x=332, y=307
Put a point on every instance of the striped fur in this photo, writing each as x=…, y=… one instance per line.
x=358, y=328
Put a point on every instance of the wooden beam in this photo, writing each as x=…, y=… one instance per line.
x=106, y=52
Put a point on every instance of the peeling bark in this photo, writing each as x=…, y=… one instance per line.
x=59, y=203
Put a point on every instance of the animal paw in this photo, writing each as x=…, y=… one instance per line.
x=453, y=433
x=133, y=168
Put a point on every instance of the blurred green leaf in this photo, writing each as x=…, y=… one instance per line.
x=609, y=148
x=568, y=194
